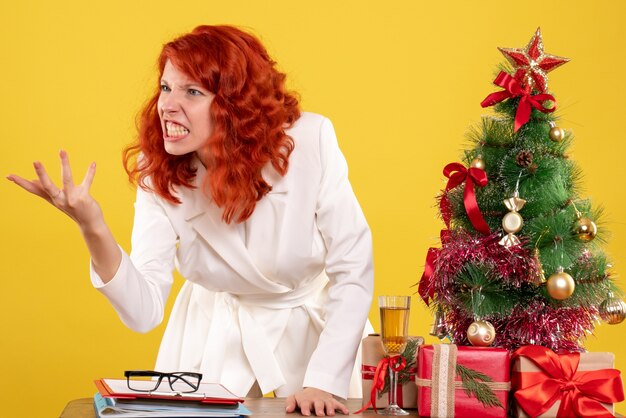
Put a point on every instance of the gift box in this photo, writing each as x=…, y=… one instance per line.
x=462, y=381
x=547, y=384
x=372, y=355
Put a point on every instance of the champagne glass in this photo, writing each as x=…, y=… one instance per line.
x=394, y=328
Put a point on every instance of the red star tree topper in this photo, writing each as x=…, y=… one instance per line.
x=532, y=64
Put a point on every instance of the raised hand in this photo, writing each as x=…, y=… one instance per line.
x=72, y=199
x=77, y=203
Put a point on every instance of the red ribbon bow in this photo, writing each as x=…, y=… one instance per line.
x=580, y=393
x=396, y=363
x=457, y=174
x=512, y=88
x=426, y=289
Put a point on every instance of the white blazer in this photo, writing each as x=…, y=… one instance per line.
x=281, y=299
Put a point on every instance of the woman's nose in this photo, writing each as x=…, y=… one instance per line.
x=170, y=102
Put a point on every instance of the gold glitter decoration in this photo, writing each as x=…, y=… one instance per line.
x=439, y=329
x=542, y=274
x=532, y=64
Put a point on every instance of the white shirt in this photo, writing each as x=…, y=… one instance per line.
x=281, y=298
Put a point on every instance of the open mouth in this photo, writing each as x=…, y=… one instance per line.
x=174, y=130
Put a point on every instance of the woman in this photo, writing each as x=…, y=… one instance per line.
x=250, y=199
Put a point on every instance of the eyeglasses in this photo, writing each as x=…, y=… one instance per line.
x=149, y=380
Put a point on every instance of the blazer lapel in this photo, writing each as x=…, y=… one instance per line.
x=206, y=219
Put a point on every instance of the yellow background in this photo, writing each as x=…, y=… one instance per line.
x=402, y=82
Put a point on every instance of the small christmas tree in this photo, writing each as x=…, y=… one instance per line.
x=520, y=261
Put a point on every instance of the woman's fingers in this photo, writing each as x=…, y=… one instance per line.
x=330, y=407
x=318, y=407
x=74, y=200
x=91, y=172
x=47, y=184
x=290, y=404
x=66, y=171
x=33, y=187
x=305, y=407
x=341, y=407
x=44, y=187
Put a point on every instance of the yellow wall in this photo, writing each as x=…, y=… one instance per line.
x=402, y=82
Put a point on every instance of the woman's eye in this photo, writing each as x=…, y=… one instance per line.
x=194, y=92
x=164, y=88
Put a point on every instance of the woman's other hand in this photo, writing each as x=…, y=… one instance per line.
x=72, y=199
x=314, y=401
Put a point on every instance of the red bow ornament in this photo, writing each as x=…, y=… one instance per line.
x=396, y=363
x=426, y=288
x=512, y=88
x=581, y=392
x=457, y=174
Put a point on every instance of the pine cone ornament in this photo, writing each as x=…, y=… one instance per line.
x=524, y=159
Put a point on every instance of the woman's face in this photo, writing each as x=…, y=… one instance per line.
x=183, y=107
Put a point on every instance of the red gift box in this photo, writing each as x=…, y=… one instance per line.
x=547, y=384
x=440, y=391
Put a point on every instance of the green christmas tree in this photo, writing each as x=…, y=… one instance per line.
x=520, y=260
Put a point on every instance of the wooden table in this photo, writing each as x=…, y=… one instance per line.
x=260, y=407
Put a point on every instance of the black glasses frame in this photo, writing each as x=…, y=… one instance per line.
x=190, y=378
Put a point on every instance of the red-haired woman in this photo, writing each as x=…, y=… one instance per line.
x=249, y=198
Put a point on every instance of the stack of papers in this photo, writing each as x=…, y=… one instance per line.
x=114, y=399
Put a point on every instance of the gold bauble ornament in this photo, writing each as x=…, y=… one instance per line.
x=560, y=285
x=557, y=134
x=585, y=229
x=478, y=163
x=481, y=333
x=613, y=310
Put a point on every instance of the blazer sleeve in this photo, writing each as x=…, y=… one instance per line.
x=142, y=283
x=349, y=267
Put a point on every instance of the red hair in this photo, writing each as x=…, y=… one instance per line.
x=250, y=112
